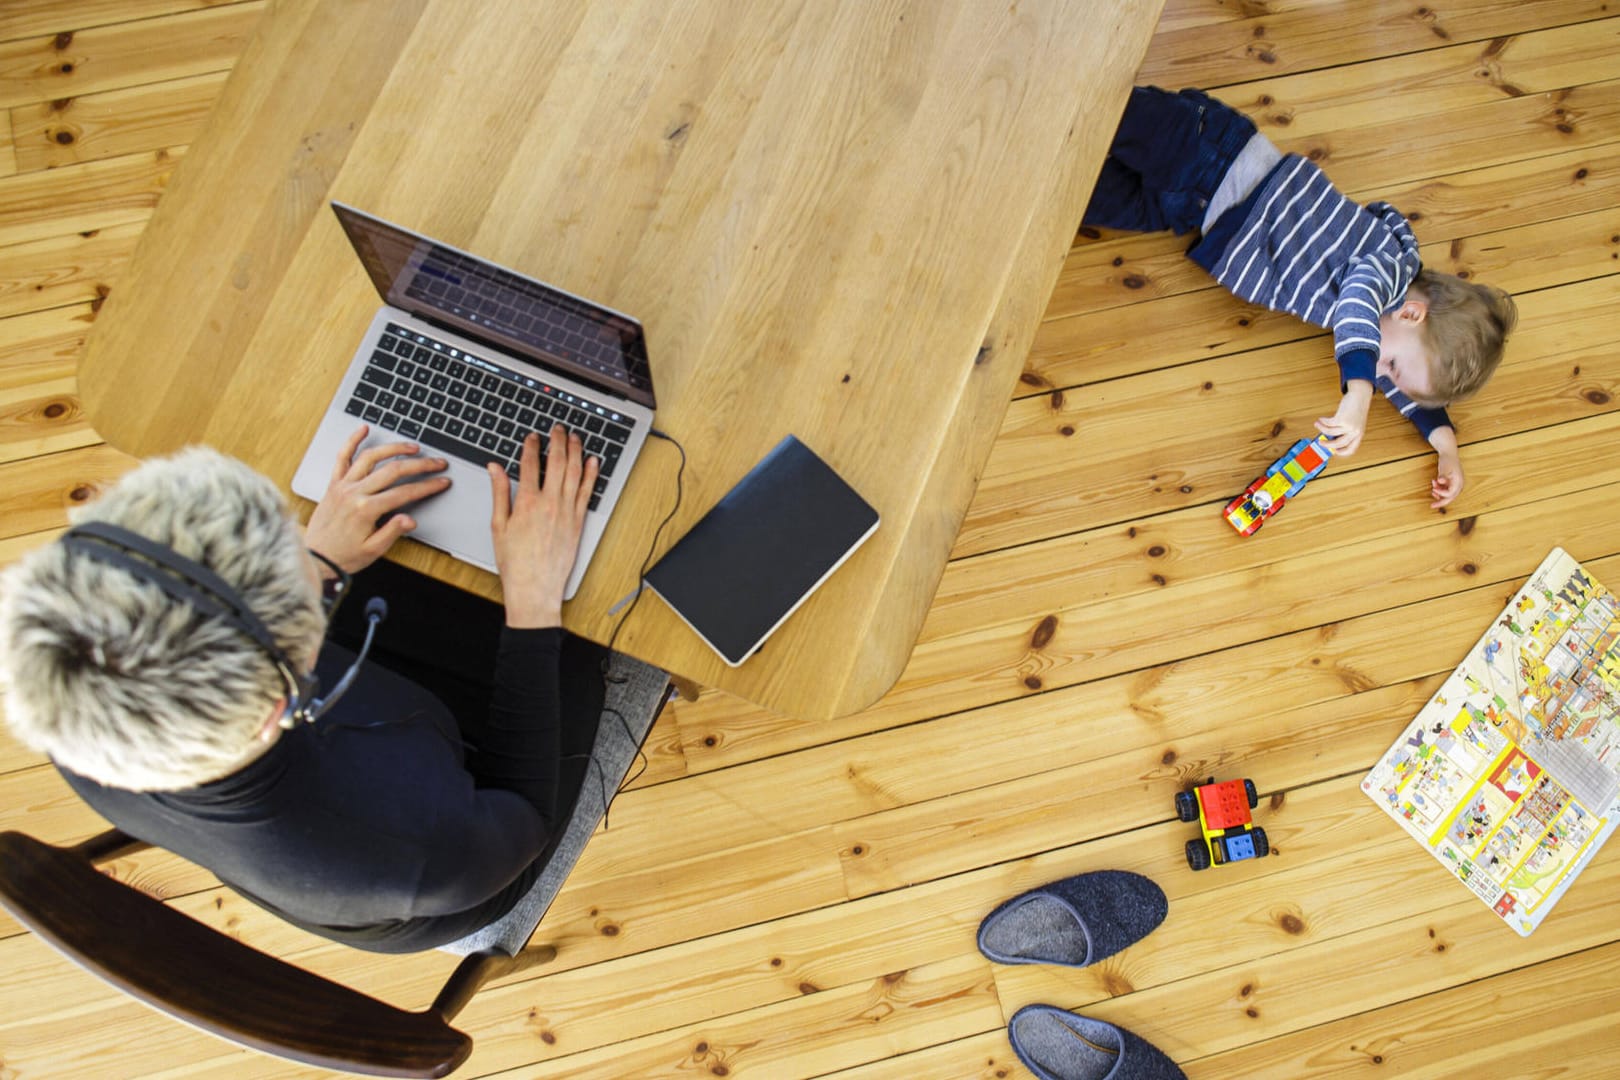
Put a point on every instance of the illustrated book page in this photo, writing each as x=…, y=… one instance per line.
x=1510, y=774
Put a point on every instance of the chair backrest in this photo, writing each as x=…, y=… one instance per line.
x=190, y=971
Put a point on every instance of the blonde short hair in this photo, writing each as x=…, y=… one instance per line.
x=1466, y=328
x=120, y=683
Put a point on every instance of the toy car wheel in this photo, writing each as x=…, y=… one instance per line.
x=1262, y=846
x=1197, y=855
x=1254, y=796
x=1186, y=806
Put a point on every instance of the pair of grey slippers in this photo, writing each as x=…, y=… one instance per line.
x=1076, y=922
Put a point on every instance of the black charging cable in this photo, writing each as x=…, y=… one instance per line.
x=641, y=587
x=652, y=548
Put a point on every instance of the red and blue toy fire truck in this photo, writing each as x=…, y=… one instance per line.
x=1222, y=813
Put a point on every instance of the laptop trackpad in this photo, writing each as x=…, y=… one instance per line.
x=458, y=525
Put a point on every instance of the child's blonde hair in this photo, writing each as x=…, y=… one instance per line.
x=1465, y=329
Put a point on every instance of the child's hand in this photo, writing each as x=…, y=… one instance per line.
x=1448, y=483
x=1448, y=479
x=1345, y=427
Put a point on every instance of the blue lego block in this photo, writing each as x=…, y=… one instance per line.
x=1239, y=847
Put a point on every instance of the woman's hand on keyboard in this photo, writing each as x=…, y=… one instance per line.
x=537, y=530
x=362, y=492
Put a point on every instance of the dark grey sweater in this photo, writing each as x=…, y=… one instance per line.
x=374, y=820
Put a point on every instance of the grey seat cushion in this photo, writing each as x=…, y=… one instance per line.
x=637, y=692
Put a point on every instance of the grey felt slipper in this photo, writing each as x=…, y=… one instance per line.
x=1056, y=1044
x=1075, y=921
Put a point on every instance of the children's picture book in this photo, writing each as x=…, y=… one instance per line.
x=1510, y=774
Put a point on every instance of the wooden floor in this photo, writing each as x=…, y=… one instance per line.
x=780, y=899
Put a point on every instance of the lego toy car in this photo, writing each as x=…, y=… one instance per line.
x=1222, y=813
x=1279, y=483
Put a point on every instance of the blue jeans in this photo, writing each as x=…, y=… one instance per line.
x=1166, y=160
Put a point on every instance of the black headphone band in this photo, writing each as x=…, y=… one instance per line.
x=190, y=583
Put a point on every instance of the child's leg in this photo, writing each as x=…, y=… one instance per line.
x=1166, y=160
x=1121, y=201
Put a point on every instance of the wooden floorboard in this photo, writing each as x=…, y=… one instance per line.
x=780, y=899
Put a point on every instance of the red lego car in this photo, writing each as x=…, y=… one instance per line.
x=1222, y=813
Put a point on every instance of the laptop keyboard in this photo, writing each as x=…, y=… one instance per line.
x=471, y=408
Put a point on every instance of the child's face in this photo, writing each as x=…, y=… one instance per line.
x=1405, y=355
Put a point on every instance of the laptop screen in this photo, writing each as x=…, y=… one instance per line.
x=512, y=312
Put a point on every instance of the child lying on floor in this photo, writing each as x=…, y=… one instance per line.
x=1276, y=232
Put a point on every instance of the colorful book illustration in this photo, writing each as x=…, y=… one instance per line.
x=1510, y=774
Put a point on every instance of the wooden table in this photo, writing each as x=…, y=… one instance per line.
x=837, y=219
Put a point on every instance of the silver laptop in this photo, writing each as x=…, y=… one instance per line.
x=467, y=358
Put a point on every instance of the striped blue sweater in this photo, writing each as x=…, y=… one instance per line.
x=1299, y=245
